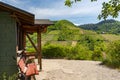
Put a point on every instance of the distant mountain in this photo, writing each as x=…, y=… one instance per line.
x=107, y=26
x=109, y=21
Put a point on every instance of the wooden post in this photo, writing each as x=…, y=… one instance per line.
x=39, y=47
x=24, y=40
x=32, y=43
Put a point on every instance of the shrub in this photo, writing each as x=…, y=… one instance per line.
x=113, y=55
x=30, y=49
x=97, y=53
x=78, y=52
x=82, y=52
x=53, y=51
x=5, y=76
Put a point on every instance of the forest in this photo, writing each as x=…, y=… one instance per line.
x=110, y=26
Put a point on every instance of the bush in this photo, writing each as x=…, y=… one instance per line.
x=5, y=76
x=53, y=51
x=90, y=41
x=97, y=53
x=81, y=53
x=30, y=49
x=113, y=55
x=78, y=52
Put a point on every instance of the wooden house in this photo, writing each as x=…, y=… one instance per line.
x=15, y=26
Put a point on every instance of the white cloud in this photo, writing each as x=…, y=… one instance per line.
x=62, y=12
x=79, y=9
x=14, y=1
x=77, y=24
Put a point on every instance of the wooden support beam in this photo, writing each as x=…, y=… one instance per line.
x=32, y=43
x=16, y=18
x=24, y=40
x=39, y=48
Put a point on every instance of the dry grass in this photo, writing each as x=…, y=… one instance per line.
x=111, y=37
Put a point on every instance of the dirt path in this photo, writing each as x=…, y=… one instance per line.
x=56, y=69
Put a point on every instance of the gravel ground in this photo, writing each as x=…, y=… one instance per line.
x=60, y=69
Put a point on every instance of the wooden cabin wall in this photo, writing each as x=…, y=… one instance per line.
x=7, y=44
x=20, y=36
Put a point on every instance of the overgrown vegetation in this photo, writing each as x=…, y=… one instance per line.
x=5, y=76
x=87, y=48
x=53, y=51
x=113, y=55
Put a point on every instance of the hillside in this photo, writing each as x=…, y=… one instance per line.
x=107, y=26
x=63, y=31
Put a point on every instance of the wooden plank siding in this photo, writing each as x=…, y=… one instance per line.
x=7, y=44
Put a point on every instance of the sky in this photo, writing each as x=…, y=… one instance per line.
x=83, y=12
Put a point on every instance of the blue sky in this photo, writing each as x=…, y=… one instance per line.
x=80, y=13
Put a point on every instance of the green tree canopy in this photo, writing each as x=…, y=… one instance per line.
x=110, y=8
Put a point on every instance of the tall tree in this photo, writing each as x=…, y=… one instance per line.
x=110, y=8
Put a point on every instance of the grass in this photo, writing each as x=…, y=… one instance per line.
x=111, y=37
x=54, y=32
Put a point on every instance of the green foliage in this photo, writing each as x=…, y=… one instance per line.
x=80, y=52
x=56, y=51
x=68, y=34
x=30, y=49
x=62, y=24
x=53, y=51
x=29, y=46
x=95, y=44
x=110, y=8
x=5, y=76
x=113, y=54
x=90, y=40
x=70, y=2
x=63, y=30
x=97, y=53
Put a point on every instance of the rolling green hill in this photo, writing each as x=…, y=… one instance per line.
x=64, y=30
x=107, y=26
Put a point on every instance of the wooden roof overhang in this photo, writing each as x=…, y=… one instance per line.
x=40, y=24
x=23, y=17
x=35, y=28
